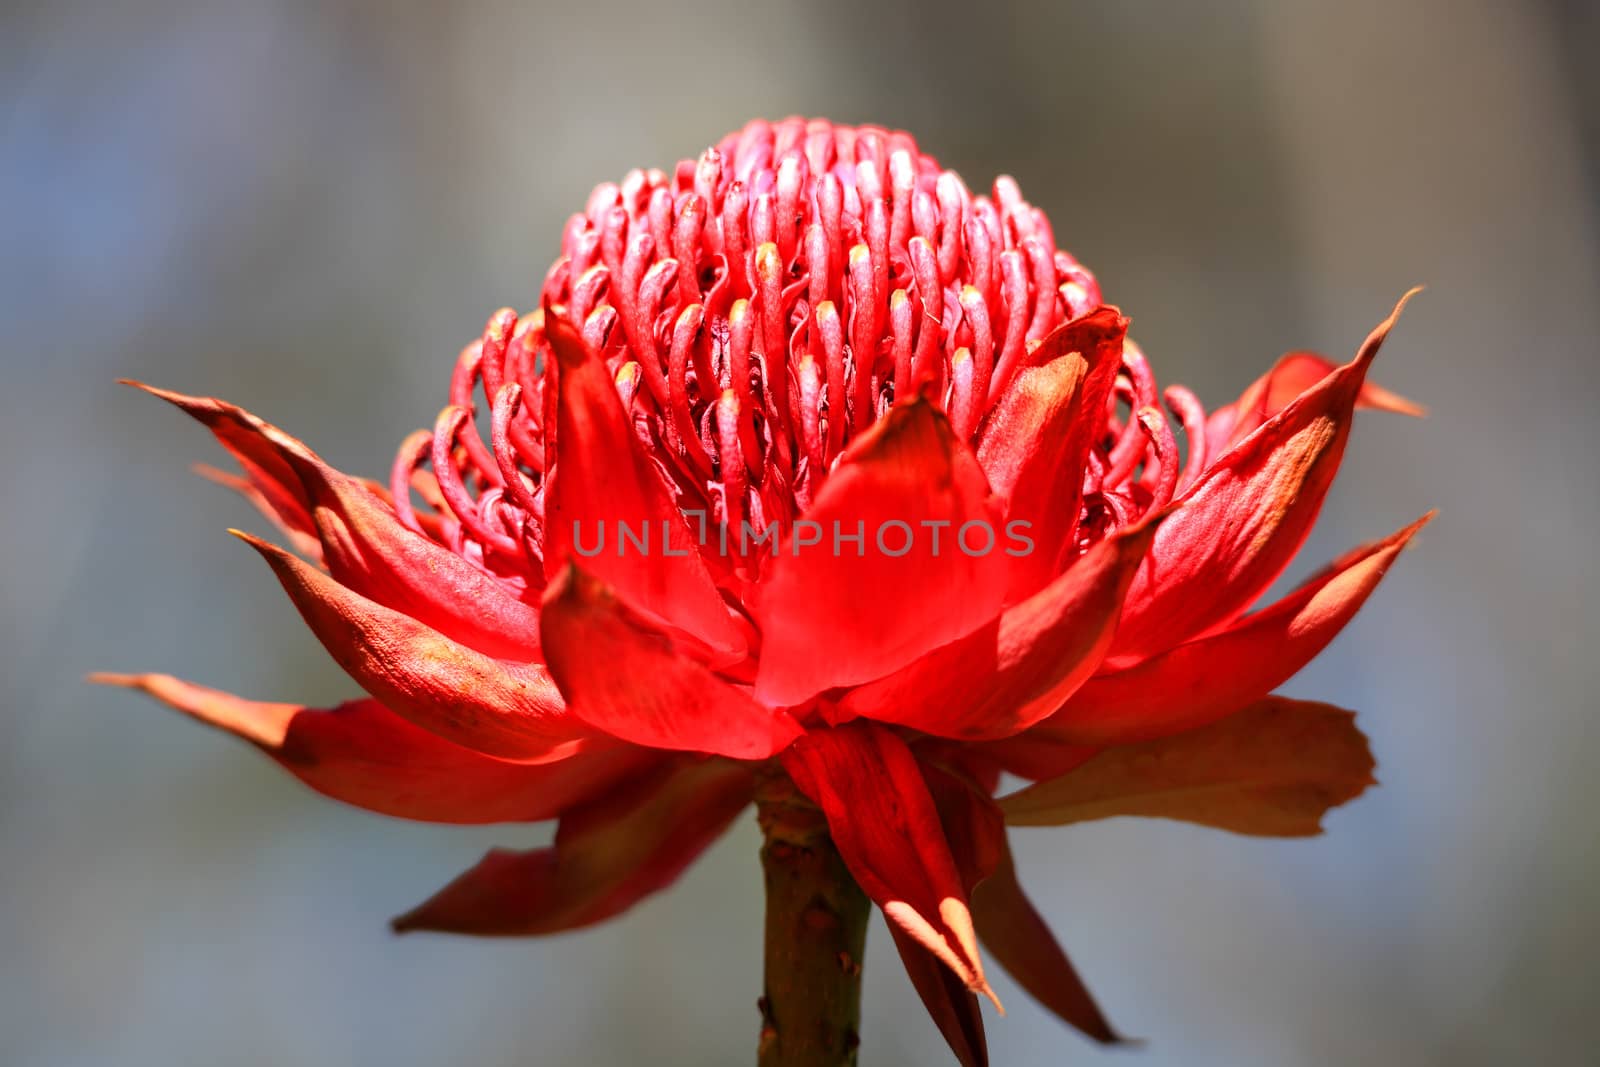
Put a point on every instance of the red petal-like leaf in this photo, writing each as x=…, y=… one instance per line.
x=884, y=823
x=1275, y=390
x=363, y=754
x=511, y=710
x=973, y=824
x=364, y=545
x=1244, y=518
x=1017, y=935
x=303, y=540
x=841, y=612
x=1004, y=677
x=603, y=484
x=607, y=856
x=1271, y=770
x=953, y=1007
x=975, y=829
x=1209, y=679
x=622, y=675
x=1034, y=443
x=264, y=468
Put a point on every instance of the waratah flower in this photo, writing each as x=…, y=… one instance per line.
x=816, y=476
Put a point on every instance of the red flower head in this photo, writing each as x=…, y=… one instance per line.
x=812, y=468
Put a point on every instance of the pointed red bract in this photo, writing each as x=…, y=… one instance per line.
x=1039, y=433
x=512, y=710
x=302, y=540
x=603, y=490
x=265, y=470
x=885, y=825
x=364, y=545
x=1243, y=520
x=1293, y=374
x=1202, y=681
x=622, y=676
x=363, y=754
x=1273, y=769
x=607, y=856
x=975, y=829
x=973, y=824
x=1017, y=936
x=840, y=612
x=952, y=1006
x=1004, y=677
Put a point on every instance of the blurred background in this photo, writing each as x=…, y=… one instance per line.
x=307, y=208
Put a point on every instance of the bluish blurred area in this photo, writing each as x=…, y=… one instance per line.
x=308, y=208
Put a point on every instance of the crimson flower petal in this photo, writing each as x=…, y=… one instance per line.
x=1034, y=443
x=264, y=468
x=364, y=754
x=1293, y=374
x=303, y=540
x=843, y=612
x=607, y=856
x=1016, y=670
x=622, y=675
x=952, y=1006
x=363, y=543
x=976, y=831
x=887, y=829
x=602, y=484
x=973, y=824
x=1244, y=519
x=1209, y=679
x=1271, y=770
x=1016, y=934
x=511, y=710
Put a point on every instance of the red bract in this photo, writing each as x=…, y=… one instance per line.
x=680, y=526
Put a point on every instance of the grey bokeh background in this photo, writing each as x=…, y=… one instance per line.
x=307, y=208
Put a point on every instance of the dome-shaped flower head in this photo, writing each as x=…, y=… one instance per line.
x=814, y=473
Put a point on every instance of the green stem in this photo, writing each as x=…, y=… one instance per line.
x=816, y=931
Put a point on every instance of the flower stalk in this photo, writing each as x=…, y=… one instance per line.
x=816, y=930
